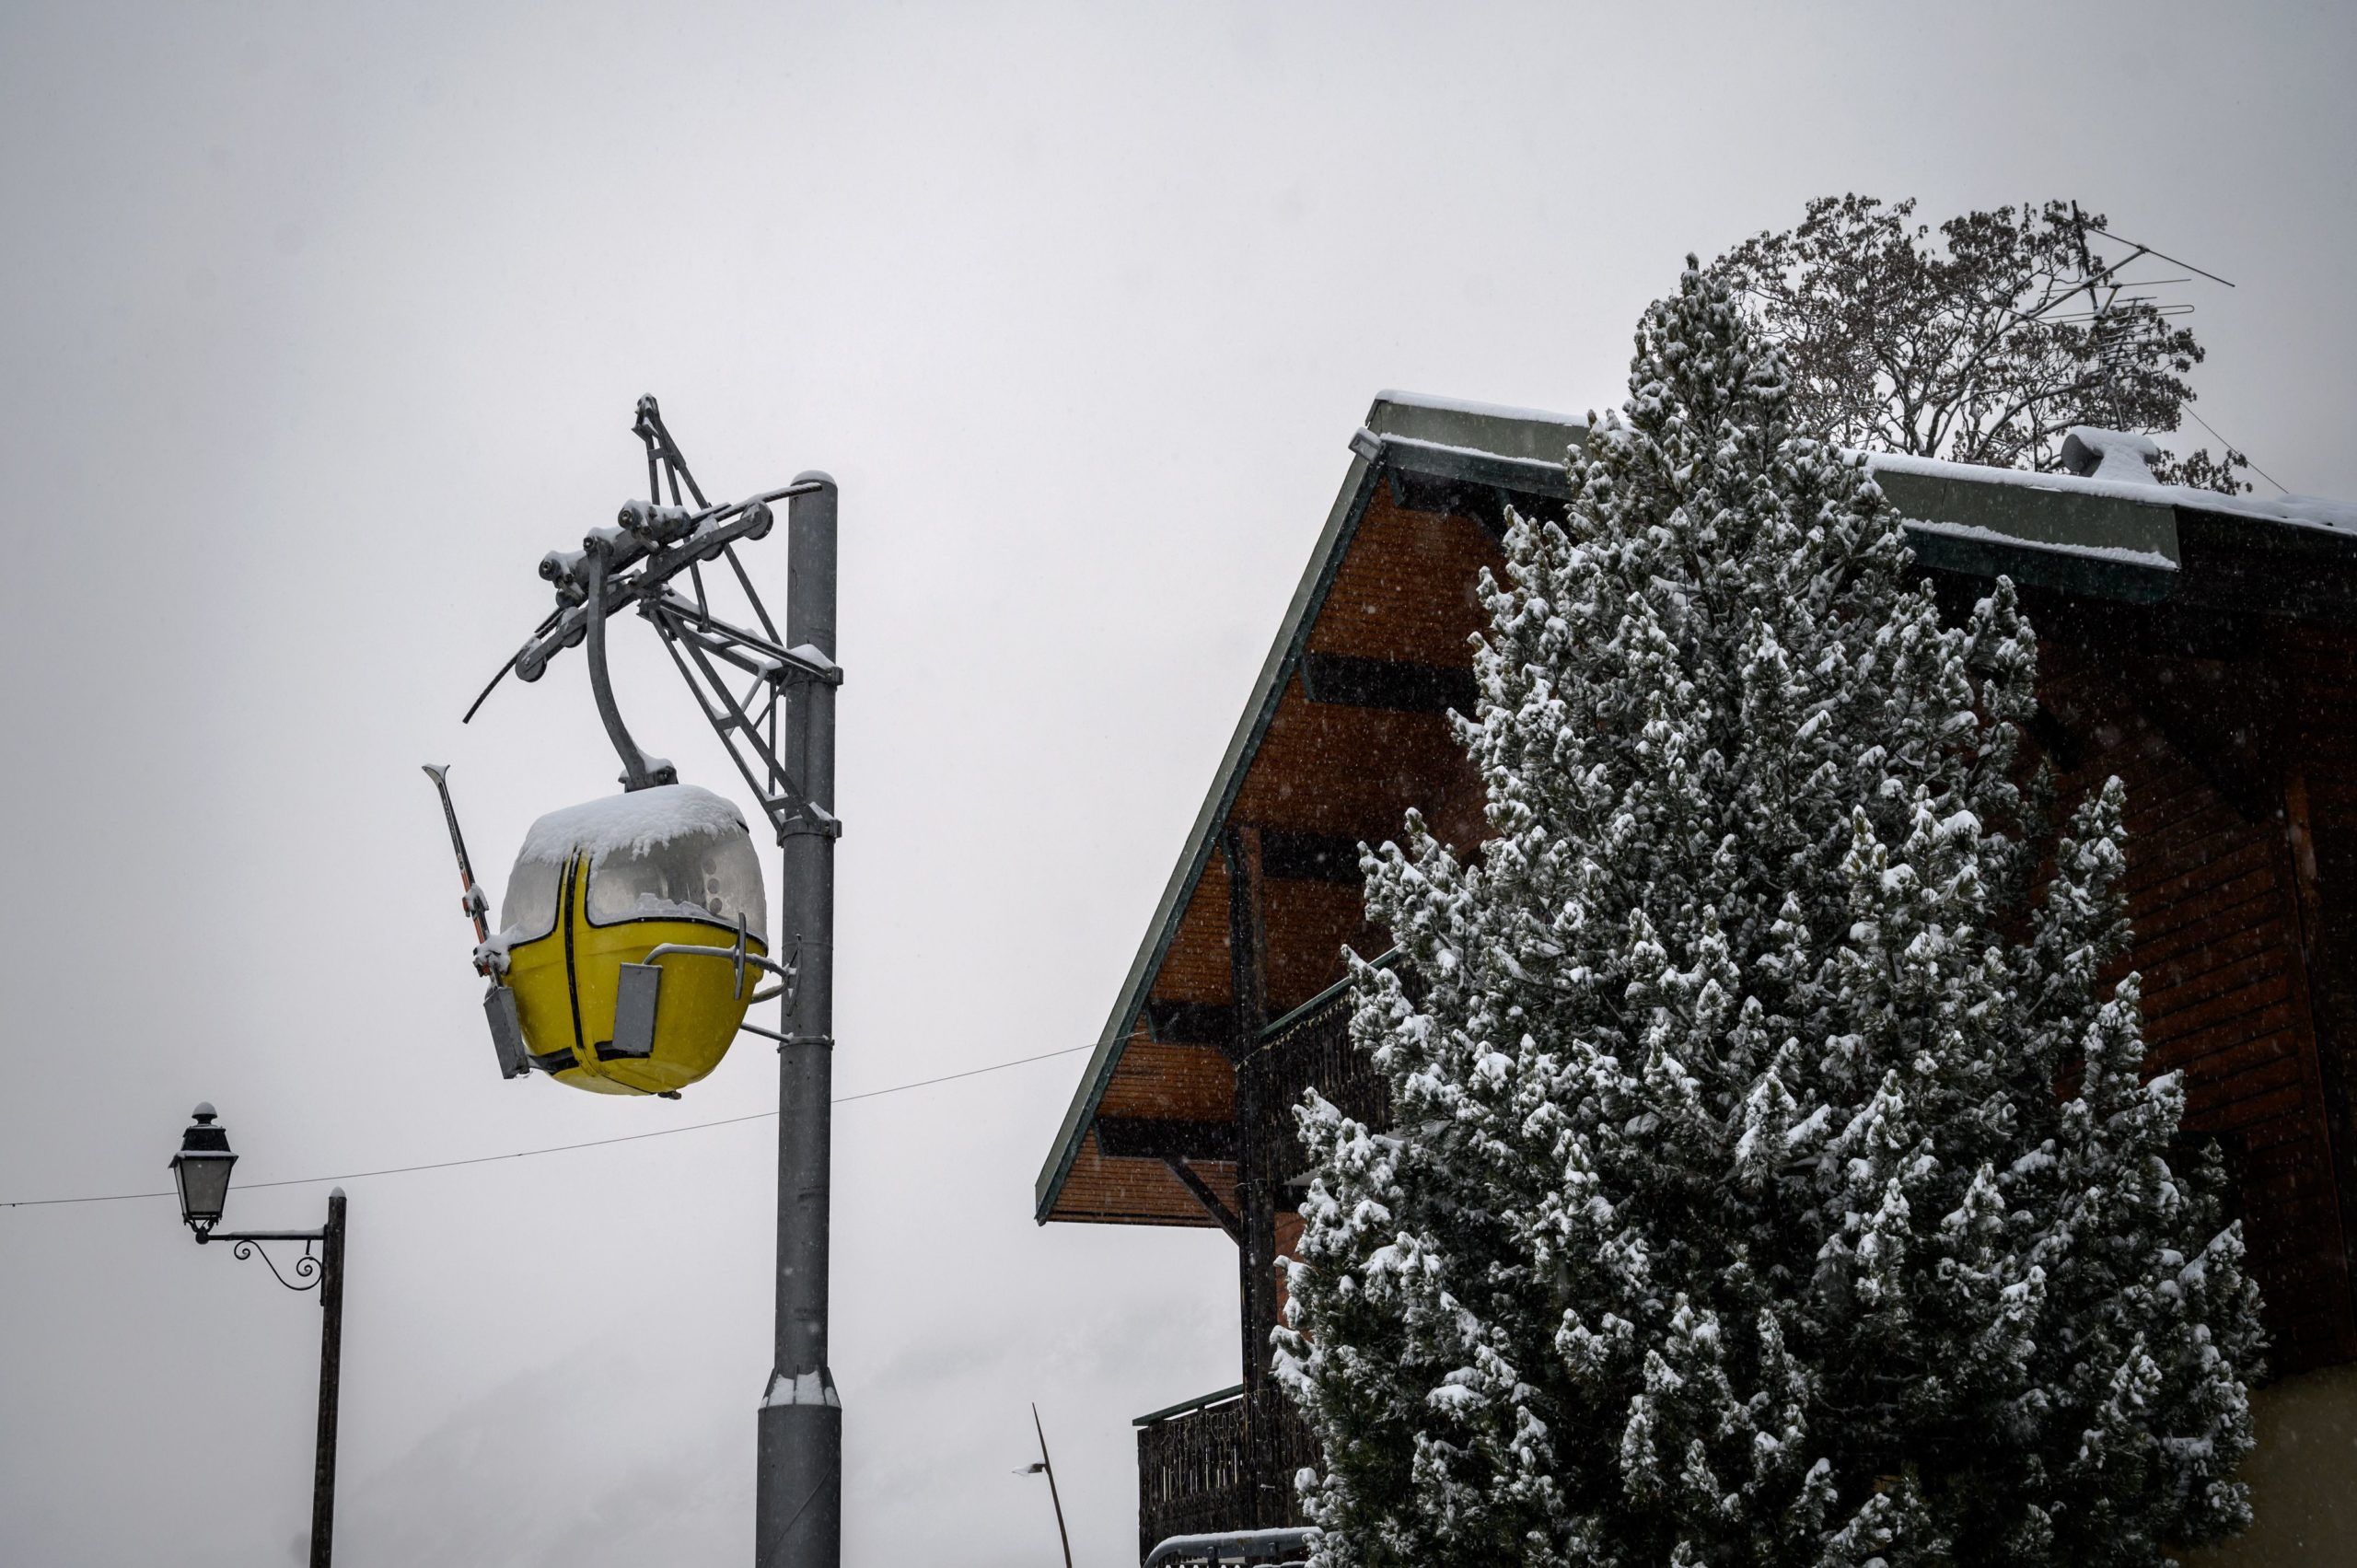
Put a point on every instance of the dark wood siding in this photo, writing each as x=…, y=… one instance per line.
x=2215, y=902
x=2237, y=737
x=1226, y=1466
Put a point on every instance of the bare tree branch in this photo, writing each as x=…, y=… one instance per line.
x=1948, y=346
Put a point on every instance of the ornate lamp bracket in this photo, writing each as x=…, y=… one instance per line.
x=304, y=1270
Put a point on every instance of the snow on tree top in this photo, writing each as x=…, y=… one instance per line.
x=631, y=824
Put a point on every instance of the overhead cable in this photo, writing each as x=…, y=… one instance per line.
x=555, y=1148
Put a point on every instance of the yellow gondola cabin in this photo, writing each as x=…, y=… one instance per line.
x=632, y=935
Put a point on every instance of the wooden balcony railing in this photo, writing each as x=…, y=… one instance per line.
x=1224, y=1462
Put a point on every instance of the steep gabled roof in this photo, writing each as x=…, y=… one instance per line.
x=1419, y=511
x=1455, y=454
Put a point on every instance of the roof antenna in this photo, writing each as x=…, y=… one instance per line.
x=2112, y=300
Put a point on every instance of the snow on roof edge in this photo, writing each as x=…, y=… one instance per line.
x=2300, y=511
x=1462, y=405
x=2118, y=554
x=1425, y=444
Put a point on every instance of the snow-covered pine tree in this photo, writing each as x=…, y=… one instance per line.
x=1772, y=1181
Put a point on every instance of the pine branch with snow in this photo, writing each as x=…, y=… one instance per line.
x=1772, y=1181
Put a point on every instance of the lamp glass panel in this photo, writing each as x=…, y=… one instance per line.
x=204, y=1185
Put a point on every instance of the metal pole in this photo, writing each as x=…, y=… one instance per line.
x=331, y=1379
x=798, y=1498
x=1047, y=1466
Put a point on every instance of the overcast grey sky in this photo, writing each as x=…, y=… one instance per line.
x=322, y=324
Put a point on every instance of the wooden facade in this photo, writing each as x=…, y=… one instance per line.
x=2245, y=990
x=2204, y=650
x=1217, y=1462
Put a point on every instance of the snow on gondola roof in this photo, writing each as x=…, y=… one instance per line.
x=631, y=824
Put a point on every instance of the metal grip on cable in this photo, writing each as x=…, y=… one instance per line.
x=636, y=773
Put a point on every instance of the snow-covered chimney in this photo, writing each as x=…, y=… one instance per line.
x=2115, y=455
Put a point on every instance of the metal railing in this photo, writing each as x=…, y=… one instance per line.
x=1277, y=1549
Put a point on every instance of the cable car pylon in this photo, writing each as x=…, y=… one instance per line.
x=633, y=935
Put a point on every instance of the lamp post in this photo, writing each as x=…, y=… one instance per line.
x=1047, y=1467
x=201, y=1171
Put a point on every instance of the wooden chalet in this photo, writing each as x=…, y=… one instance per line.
x=2203, y=647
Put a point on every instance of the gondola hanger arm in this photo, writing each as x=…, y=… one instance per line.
x=639, y=573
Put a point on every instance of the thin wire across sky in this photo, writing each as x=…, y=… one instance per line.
x=553, y=1148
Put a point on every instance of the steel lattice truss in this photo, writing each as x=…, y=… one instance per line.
x=741, y=679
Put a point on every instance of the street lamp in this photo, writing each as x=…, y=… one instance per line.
x=202, y=1169
x=1047, y=1467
